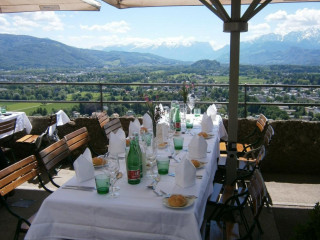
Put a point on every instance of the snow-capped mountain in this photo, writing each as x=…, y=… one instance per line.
x=296, y=48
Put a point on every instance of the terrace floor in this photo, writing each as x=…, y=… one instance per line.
x=292, y=195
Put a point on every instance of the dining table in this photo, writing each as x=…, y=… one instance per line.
x=138, y=212
x=22, y=122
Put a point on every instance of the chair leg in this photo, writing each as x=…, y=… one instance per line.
x=20, y=219
x=51, y=180
x=42, y=184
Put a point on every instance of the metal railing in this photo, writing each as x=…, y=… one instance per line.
x=101, y=102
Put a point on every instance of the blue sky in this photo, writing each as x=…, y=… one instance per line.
x=155, y=26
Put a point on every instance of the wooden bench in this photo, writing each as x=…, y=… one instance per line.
x=8, y=127
x=52, y=156
x=12, y=177
x=242, y=148
x=34, y=138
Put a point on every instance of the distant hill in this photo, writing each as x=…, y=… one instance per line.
x=22, y=52
x=295, y=48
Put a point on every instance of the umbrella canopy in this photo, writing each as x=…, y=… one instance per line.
x=14, y=6
x=163, y=3
x=235, y=24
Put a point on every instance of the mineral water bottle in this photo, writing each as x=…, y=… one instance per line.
x=177, y=120
x=136, y=137
x=133, y=164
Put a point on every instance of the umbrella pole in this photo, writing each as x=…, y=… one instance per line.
x=234, y=26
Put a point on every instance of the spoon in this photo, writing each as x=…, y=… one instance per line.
x=153, y=184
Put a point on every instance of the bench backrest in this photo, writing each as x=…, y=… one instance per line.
x=77, y=139
x=17, y=174
x=103, y=119
x=8, y=126
x=54, y=154
x=112, y=126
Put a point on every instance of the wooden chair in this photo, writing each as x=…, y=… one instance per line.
x=77, y=139
x=242, y=148
x=112, y=126
x=249, y=159
x=8, y=128
x=103, y=119
x=36, y=140
x=12, y=177
x=51, y=157
x=228, y=203
x=222, y=228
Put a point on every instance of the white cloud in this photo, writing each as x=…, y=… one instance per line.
x=256, y=31
x=24, y=23
x=301, y=20
x=5, y=26
x=113, y=27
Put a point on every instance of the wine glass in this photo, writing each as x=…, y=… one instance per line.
x=151, y=152
x=191, y=102
x=113, y=167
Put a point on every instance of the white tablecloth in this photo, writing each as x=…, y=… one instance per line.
x=23, y=122
x=138, y=213
x=62, y=118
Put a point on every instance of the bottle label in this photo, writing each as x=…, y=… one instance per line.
x=178, y=125
x=133, y=174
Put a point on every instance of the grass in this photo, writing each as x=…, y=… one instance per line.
x=242, y=80
x=28, y=108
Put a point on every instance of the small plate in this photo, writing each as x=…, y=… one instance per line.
x=100, y=166
x=190, y=202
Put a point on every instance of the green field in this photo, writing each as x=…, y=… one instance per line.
x=242, y=80
x=28, y=108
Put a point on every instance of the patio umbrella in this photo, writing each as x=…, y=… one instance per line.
x=15, y=6
x=235, y=24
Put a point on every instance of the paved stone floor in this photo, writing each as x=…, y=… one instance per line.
x=293, y=196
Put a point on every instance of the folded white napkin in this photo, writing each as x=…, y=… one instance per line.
x=117, y=142
x=197, y=147
x=206, y=123
x=185, y=173
x=212, y=112
x=147, y=122
x=162, y=132
x=83, y=166
x=134, y=127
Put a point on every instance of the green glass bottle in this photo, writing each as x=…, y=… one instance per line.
x=177, y=120
x=133, y=164
x=136, y=137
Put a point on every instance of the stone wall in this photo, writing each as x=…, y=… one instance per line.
x=295, y=147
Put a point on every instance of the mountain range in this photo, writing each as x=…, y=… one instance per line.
x=23, y=52
x=295, y=48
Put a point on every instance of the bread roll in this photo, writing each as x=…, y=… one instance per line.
x=196, y=163
x=177, y=201
x=203, y=134
x=98, y=161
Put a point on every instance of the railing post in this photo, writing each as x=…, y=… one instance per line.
x=101, y=97
x=245, y=101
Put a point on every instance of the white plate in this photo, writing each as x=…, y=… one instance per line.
x=204, y=159
x=190, y=202
x=100, y=166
